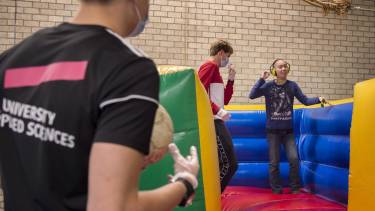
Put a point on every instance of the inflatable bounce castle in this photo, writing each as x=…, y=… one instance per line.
x=335, y=145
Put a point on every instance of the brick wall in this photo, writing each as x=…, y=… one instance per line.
x=19, y=18
x=328, y=54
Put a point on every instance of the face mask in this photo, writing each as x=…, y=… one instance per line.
x=140, y=25
x=224, y=62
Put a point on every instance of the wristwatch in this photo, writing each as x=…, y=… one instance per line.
x=189, y=195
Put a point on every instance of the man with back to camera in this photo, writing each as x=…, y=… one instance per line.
x=78, y=104
x=279, y=94
x=209, y=74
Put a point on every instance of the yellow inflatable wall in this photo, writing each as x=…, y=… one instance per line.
x=362, y=149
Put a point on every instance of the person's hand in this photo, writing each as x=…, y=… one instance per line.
x=155, y=155
x=186, y=168
x=231, y=72
x=265, y=75
x=322, y=99
x=223, y=114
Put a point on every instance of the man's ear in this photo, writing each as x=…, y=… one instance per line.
x=221, y=53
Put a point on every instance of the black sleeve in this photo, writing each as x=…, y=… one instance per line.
x=128, y=101
x=2, y=56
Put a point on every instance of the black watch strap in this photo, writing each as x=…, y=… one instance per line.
x=189, y=191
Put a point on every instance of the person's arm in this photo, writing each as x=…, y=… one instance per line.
x=163, y=198
x=228, y=91
x=258, y=89
x=113, y=182
x=184, y=168
x=303, y=98
x=126, y=110
x=114, y=172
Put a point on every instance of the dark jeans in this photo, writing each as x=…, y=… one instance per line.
x=275, y=139
x=227, y=157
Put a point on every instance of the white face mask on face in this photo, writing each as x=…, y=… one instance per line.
x=224, y=62
x=141, y=24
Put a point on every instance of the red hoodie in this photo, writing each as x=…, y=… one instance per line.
x=213, y=83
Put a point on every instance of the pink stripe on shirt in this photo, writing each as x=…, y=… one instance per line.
x=34, y=76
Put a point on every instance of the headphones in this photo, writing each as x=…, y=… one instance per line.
x=273, y=69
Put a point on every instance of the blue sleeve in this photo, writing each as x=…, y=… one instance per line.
x=258, y=89
x=303, y=99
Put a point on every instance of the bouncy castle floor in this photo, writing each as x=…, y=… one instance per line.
x=238, y=198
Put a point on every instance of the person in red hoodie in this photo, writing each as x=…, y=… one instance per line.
x=212, y=81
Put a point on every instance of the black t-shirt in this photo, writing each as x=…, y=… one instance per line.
x=63, y=89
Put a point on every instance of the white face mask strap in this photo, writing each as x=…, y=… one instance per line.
x=137, y=11
x=223, y=56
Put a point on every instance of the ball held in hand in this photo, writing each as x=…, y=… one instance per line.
x=162, y=132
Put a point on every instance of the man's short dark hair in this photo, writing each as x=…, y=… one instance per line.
x=220, y=45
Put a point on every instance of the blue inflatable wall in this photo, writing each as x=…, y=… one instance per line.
x=322, y=138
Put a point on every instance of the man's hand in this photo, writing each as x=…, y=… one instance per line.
x=223, y=114
x=155, y=155
x=231, y=72
x=186, y=168
x=265, y=75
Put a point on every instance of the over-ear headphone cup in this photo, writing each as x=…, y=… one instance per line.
x=273, y=71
